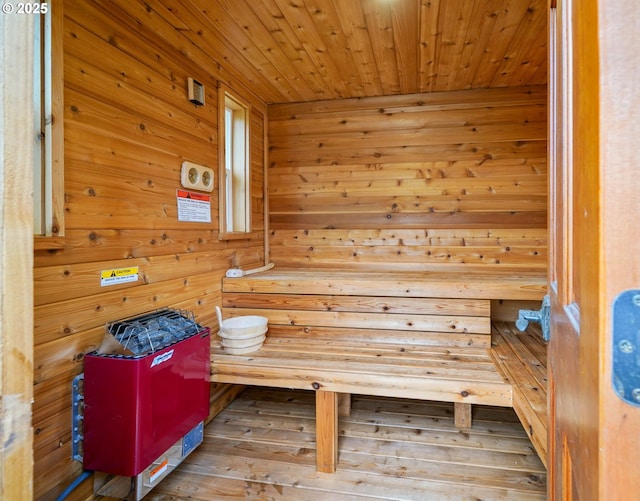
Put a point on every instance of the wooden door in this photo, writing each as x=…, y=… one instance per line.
x=594, y=445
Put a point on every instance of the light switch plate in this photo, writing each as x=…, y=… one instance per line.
x=197, y=177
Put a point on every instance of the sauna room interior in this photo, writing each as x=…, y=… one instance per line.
x=388, y=157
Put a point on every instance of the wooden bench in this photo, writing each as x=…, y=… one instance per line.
x=522, y=358
x=398, y=335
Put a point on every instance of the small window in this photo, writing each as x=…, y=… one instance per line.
x=235, y=186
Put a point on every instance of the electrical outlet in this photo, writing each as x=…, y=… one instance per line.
x=197, y=177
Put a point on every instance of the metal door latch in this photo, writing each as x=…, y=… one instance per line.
x=542, y=316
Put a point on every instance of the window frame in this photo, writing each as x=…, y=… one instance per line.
x=234, y=210
x=49, y=234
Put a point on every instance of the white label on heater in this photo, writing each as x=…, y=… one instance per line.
x=158, y=470
x=162, y=358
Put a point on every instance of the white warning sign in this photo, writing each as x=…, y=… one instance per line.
x=118, y=276
x=195, y=207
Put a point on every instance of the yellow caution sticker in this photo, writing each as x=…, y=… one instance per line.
x=118, y=276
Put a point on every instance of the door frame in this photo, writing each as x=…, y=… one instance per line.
x=16, y=256
x=620, y=232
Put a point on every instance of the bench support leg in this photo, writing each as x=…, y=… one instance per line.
x=462, y=415
x=344, y=404
x=326, y=431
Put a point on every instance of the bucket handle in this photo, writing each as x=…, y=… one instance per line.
x=219, y=315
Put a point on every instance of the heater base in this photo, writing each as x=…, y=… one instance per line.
x=135, y=488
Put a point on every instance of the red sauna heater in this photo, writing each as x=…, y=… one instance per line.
x=144, y=411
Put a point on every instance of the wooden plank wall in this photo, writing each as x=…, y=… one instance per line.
x=128, y=127
x=415, y=182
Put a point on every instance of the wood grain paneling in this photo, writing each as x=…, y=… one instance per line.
x=411, y=182
x=17, y=111
x=128, y=128
x=522, y=359
x=334, y=49
x=263, y=447
x=483, y=283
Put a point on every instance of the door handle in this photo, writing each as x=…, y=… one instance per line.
x=542, y=316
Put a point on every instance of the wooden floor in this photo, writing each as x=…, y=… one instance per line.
x=263, y=447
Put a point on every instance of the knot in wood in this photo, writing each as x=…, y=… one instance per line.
x=464, y=393
x=315, y=385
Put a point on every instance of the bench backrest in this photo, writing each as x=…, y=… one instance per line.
x=367, y=316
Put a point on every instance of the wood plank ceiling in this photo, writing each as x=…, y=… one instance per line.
x=309, y=50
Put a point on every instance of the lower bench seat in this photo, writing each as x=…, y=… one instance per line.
x=332, y=368
x=466, y=375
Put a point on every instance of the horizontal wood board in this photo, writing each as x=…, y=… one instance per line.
x=432, y=284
